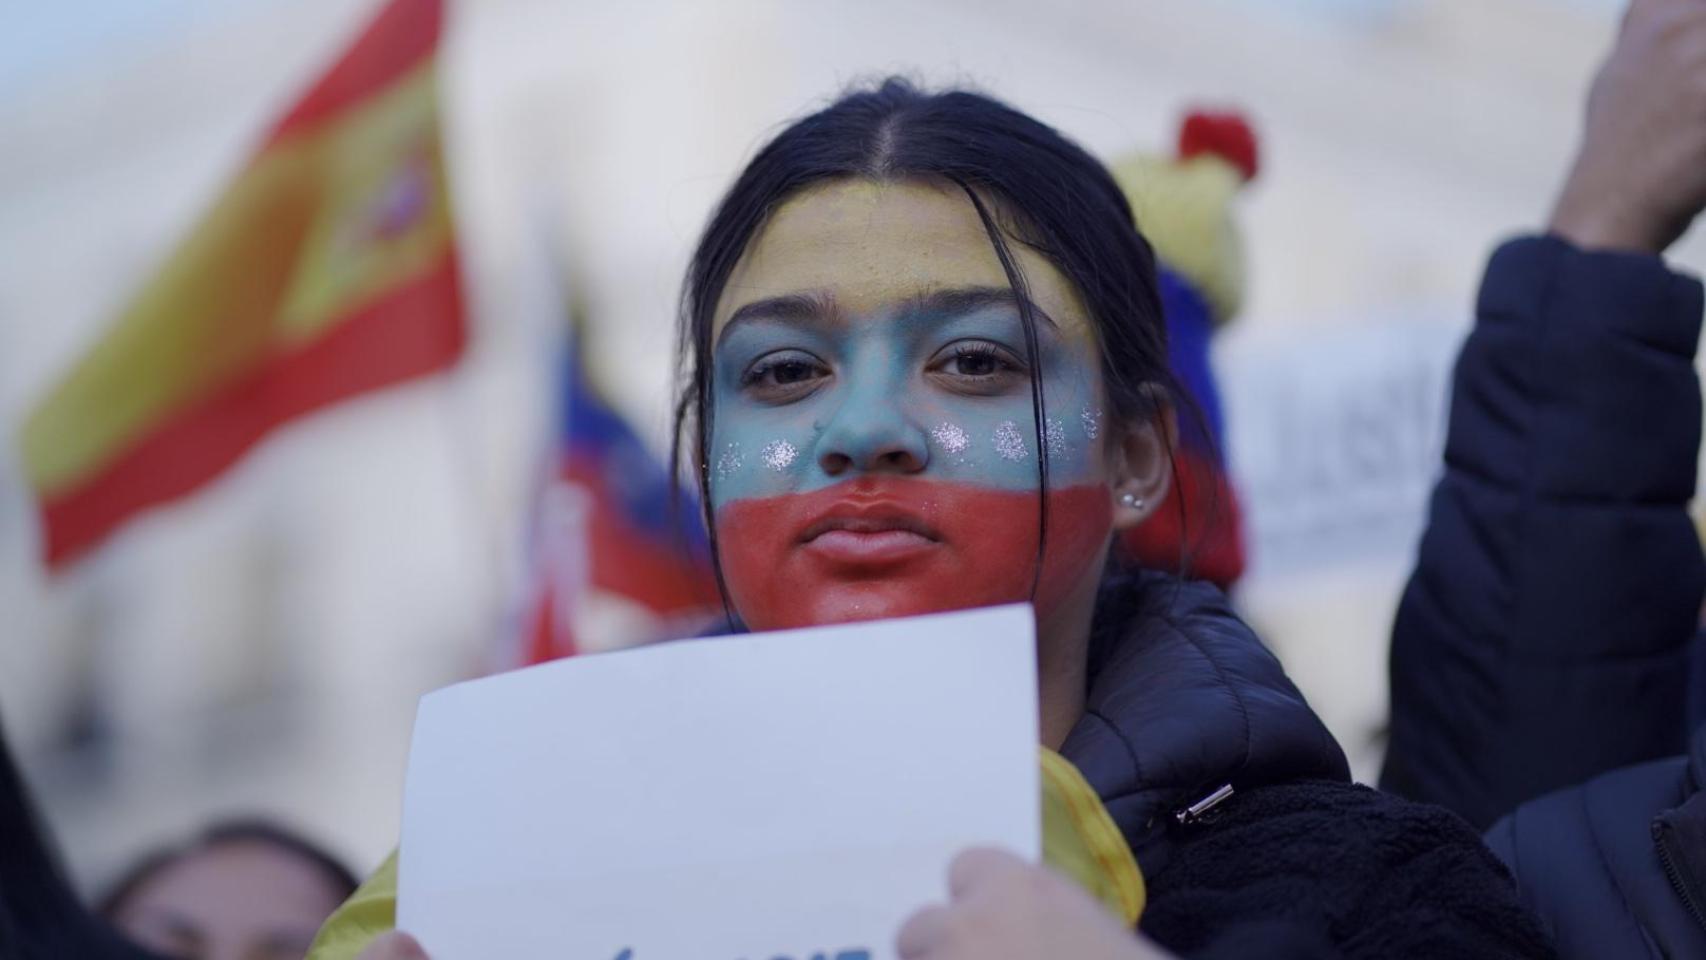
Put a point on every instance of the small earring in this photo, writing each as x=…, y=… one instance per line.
x=1131, y=500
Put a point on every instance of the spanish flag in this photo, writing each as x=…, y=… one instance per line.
x=327, y=268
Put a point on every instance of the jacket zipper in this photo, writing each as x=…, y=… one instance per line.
x=1198, y=810
x=1661, y=834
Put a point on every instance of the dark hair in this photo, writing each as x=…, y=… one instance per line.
x=226, y=833
x=41, y=917
x=1041, y=189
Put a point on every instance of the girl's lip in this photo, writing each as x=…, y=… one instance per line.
x=868, y=532
x=873, y=547
x=854, y=518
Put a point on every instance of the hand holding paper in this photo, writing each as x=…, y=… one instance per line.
x=1003, y=908
x=394, y=946
x=793, y=794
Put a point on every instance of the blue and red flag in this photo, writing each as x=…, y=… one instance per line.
x=616, y=552
x=1185, y=203
x=1205, y=526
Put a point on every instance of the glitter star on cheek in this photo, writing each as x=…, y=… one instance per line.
x=1054, y=439
x=953, y=440
x=779, y=455
x=1092, y=422
x=730, y=461
x=1009, y=442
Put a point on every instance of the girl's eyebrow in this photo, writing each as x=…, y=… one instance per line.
x=963, y=300
x=818, y=306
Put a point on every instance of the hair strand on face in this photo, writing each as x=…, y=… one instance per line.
x=1033, y=356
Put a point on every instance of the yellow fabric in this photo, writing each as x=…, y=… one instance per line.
x=289, y=249
x=1184, y=207
x=1079, y=839
x=1082, y=841
x=369, y=912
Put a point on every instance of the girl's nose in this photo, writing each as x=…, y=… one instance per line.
x=872, y=432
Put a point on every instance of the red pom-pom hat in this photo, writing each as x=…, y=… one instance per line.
x=1225, y=134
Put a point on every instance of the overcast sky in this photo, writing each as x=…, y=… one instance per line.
x=41, y=38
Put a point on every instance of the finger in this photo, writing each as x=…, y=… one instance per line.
x=1148, y=949
x=395, y=945
x=924, y=932
x=1635, y=9
x=1645, y=12
x=978, y=866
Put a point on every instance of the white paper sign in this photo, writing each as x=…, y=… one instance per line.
x=784, y=795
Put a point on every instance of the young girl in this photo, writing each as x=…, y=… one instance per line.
x=925, y=369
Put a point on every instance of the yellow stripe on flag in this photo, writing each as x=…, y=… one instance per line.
x=326, y=268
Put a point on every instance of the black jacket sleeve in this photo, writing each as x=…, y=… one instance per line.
x=1544, y=634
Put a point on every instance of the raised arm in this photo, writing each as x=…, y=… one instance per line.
x=1544, y=634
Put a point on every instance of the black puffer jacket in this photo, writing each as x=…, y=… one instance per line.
x=1617, y=866
x=1296, y=861
x=1549, y=632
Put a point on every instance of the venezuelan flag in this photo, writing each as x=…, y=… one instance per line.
x=327, y=268
x=626, y=540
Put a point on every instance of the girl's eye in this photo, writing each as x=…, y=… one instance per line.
x=783, y=376
x=977, y=366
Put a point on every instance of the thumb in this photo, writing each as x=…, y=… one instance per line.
x=395, y=945
x=978, y=866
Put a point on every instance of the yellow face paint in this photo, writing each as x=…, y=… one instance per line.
x=871, y=245
x=868, y=349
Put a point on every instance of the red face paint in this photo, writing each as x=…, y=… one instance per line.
x=896, y=546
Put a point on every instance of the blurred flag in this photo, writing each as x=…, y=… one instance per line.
x=325, y=269
x=1206, y=526
x=1184, y=204
x=615, y=563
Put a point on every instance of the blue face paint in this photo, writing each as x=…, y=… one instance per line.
x=805, y=401
x=873, y=446
x=1091, y=420
x=952, y=440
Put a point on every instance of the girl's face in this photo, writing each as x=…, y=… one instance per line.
x=874, y=451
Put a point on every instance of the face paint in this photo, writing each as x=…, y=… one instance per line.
x=883, y=546
x=730, y=462
x=951, y=439
x=779, y=455
x=1091, y=421
x=1054, y=439
x=869, y=349
x=1009, y=442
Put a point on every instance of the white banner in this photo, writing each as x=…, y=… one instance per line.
x=793, y=794
x=1334, y=435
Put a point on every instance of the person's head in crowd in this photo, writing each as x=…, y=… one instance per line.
x=924, y=369
x=41, y=916
x=242, y=890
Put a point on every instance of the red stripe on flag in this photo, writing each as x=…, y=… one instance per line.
x=411, y=330
x=400, y=37
x=547, y=640
x=660, y=577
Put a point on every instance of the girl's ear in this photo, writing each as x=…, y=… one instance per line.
x=1140, y=464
